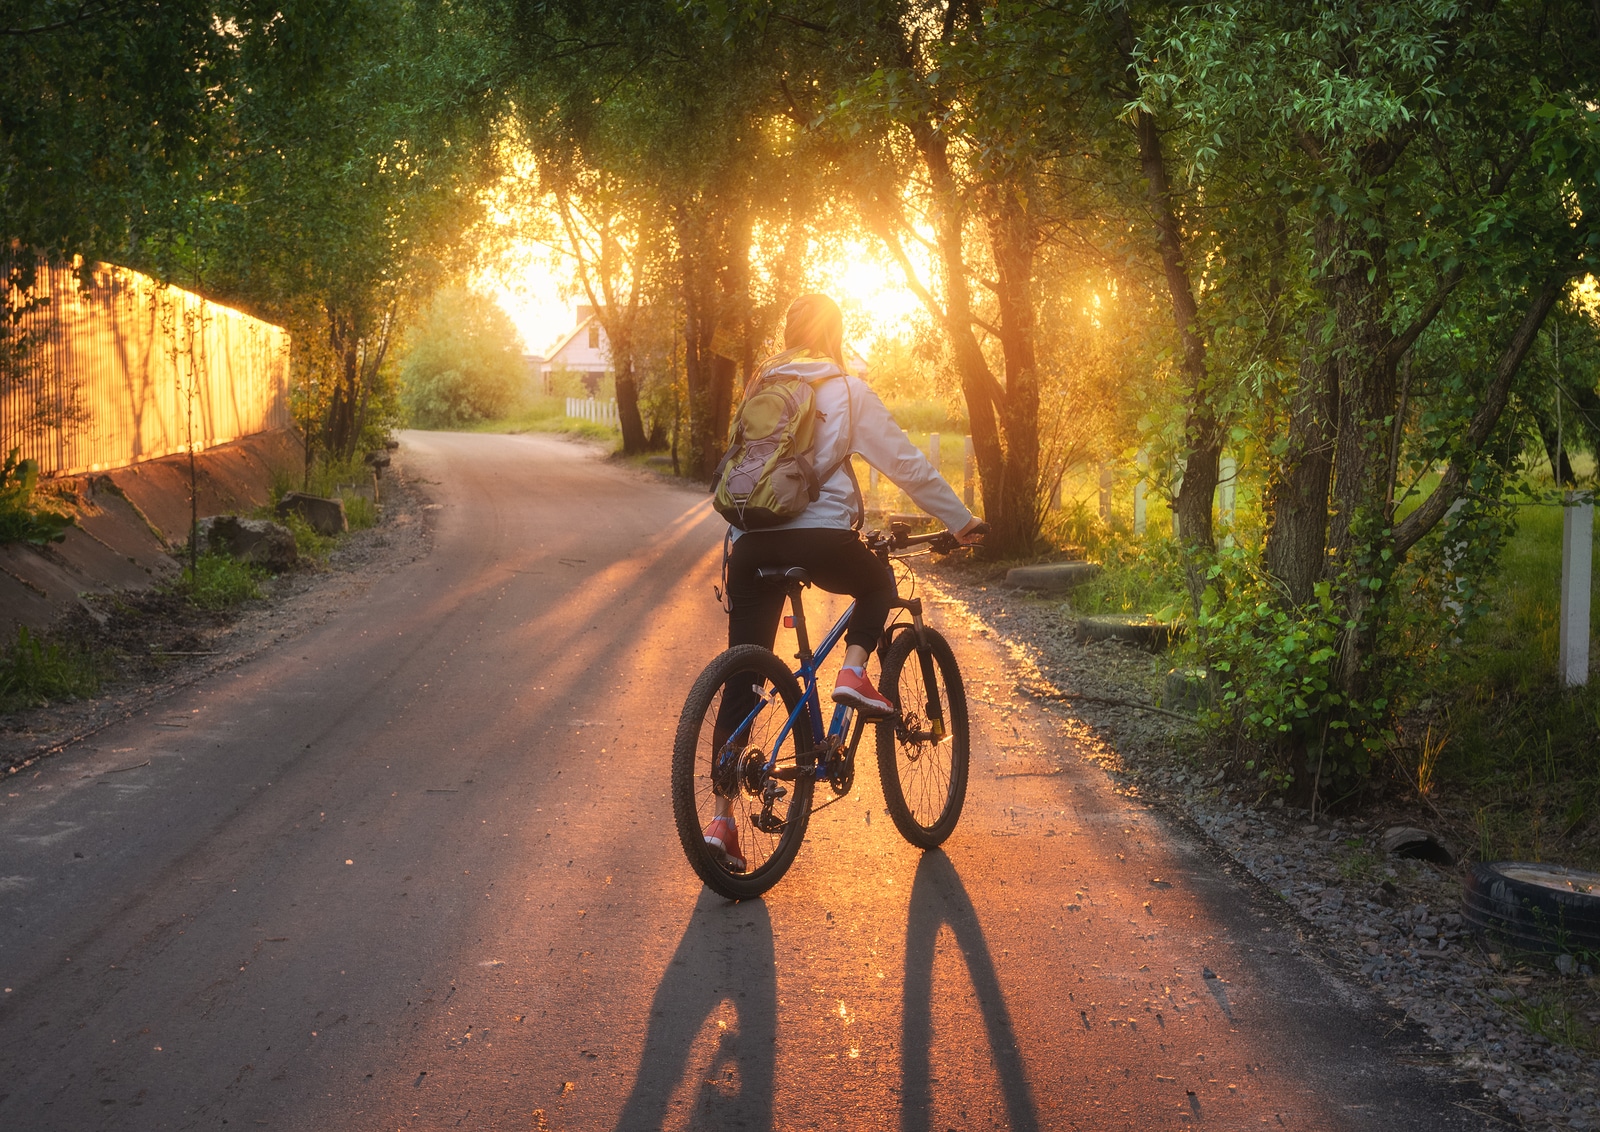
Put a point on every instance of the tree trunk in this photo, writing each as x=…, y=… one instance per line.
x=1297, y=534
x=1555, y=447
x=1004, y=434
x=633, y=438
x=1202, y=432
x=1013, y=240
x=1367, y=380
x=346, y=344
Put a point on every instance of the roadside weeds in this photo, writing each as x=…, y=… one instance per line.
x=147, y=644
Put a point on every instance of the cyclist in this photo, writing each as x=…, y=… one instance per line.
x=851, y=419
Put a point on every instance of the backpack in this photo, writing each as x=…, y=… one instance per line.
x=767, y=477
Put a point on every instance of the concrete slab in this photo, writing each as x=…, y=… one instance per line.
x=1052, y=577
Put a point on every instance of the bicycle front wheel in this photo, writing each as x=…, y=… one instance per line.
x=726, y=734
x=923, y=749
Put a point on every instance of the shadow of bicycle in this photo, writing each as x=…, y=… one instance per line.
x=938, y=899
x=723, y=966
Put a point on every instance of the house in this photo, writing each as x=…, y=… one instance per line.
x=583, y=352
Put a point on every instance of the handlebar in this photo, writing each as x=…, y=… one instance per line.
x=899, y=537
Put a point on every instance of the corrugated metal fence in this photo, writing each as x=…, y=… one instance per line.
x=126, y=369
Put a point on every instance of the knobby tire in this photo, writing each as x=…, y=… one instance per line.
x=924, y=782
x=768, y=856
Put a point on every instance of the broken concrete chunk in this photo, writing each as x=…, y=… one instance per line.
x=326, y=516
x=259, y=542
x=1132, y=628
x=1052, y=577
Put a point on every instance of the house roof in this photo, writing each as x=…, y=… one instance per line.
x=583, y=325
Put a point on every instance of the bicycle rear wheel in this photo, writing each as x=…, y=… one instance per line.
x=923, y=749
x=705, y=765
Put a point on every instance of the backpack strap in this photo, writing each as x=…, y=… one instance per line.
x=849, y=450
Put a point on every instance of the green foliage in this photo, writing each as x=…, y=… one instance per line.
x=307, y=541
x=22, y=518
x=359, y=511
x=1136, y=576
x=219, y=581
x=1275, y=665
x=928, y=416
x=34, y=671
x=463, y=362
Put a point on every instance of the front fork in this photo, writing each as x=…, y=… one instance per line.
x=930, y=685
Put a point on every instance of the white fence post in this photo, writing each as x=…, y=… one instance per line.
x=1227, y=479
x=933, y=449
x=1577, y=541
x=969, y=472
x=1142, y=462
x=1105, y=493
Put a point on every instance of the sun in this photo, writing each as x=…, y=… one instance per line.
x=870, y=289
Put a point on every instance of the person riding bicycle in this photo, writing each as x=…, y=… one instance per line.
x=851, y=419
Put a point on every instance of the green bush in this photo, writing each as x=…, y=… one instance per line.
x=307, y=541
x=1137, y=575
x=359, y=511
x=34, y=671
x=220, y=582
x=22, y=518
x=463, y=363
x=927, y=416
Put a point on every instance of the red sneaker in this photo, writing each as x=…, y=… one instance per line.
x=722, y=838
x=858, y=692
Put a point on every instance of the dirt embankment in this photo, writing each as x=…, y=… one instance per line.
x=148, y=641
x=129, y=521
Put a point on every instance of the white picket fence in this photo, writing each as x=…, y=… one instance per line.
x=588, y=409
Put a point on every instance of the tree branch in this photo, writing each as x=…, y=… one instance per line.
x=1402, y=342
x=83, y=16
x=1417, y=524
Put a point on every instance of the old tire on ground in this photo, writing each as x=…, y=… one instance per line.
x=1534, y=907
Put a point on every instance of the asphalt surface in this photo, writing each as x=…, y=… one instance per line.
x=416, y=868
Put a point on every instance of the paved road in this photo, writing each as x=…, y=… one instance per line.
x=416, y=868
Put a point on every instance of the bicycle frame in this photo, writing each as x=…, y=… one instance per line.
x=831, y=740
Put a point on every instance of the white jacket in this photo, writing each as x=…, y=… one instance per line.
x=852, y=419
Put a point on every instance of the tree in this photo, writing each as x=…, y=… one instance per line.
x=360, y=141
x=462, y=363
x=1434, y=167
x=681, y=114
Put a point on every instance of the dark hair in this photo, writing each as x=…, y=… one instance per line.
x=815, y=323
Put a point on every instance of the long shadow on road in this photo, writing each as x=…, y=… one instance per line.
x=712, y=966
x=938, y=898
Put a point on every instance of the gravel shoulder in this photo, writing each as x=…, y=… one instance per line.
x=154, y=643
x=1525, y=1033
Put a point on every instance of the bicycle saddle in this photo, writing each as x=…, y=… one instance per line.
x=784, y=574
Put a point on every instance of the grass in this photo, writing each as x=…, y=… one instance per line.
x=336, y=479
x=34, y=670
x=218, y=582
x=1552, y=1016
x=1522, y=752
x=1136, y=576
x=545, y=414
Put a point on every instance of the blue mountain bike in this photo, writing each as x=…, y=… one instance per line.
x=768, y=759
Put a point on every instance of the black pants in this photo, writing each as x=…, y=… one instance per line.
x=837, y=561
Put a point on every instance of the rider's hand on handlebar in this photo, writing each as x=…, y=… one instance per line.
x=972, y=534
